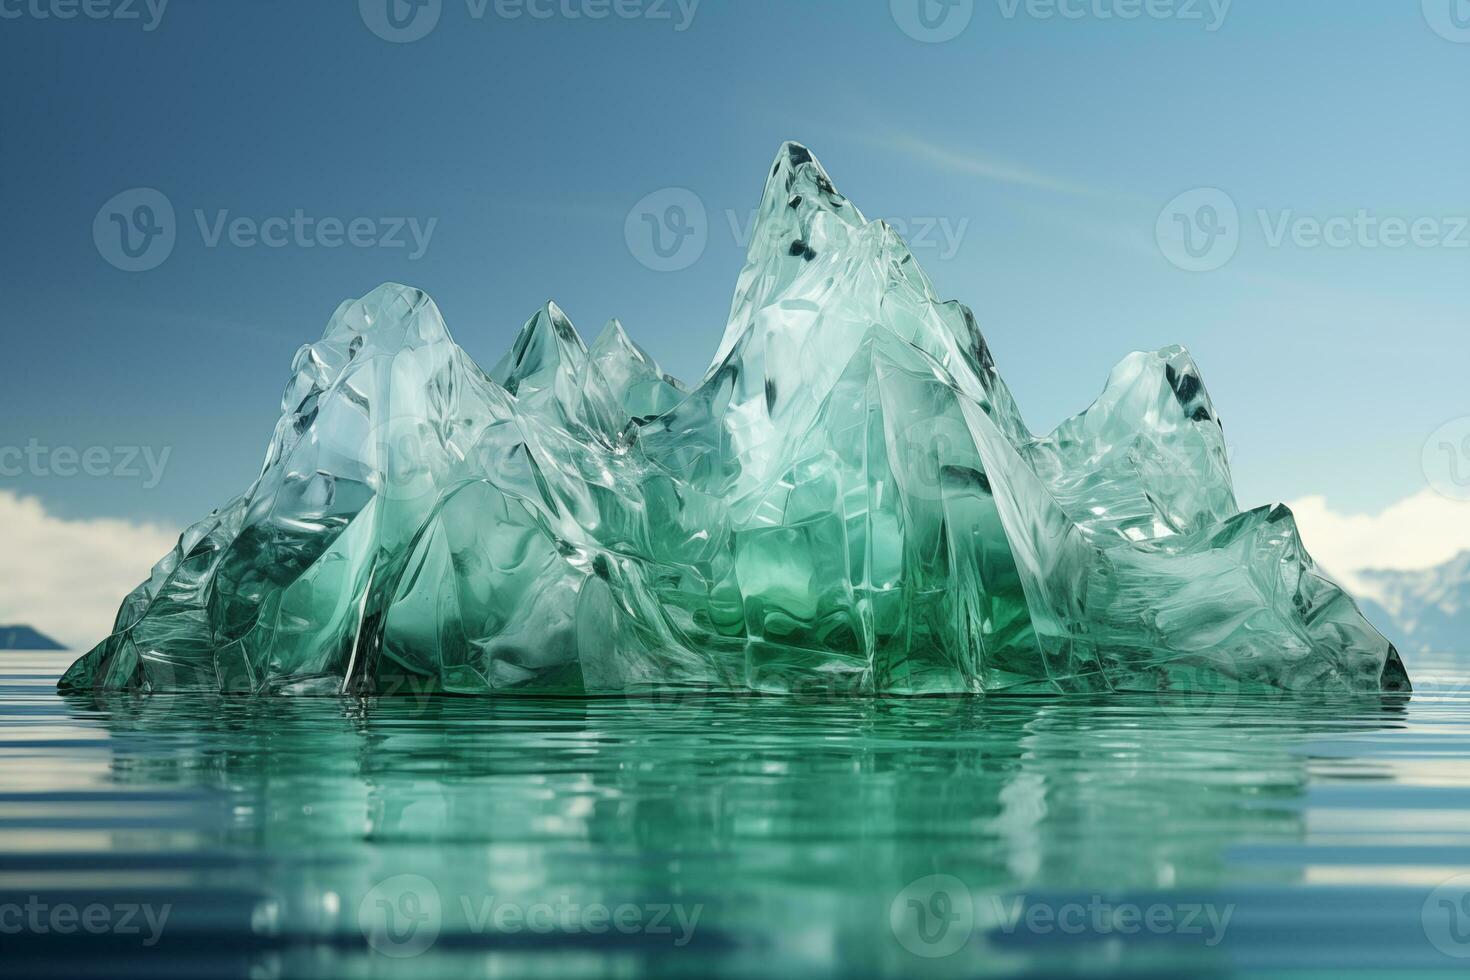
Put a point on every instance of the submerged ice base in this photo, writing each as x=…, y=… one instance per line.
x=849, y=497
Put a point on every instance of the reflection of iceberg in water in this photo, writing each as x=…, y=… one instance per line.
x=790, y=822
x=849, y=495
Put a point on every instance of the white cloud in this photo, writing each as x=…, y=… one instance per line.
x=66, y=578
x=1418, y=532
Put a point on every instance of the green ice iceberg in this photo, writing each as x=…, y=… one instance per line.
x=849, y=498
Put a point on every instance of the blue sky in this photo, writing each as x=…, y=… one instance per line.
x=1032, y=156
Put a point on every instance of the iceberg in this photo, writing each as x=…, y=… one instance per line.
x=849, y=499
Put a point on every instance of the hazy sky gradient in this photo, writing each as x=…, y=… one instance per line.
x=1046, y=147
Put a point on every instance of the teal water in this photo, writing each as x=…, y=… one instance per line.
x=741, y=836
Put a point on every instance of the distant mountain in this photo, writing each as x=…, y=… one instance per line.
x=1422, y=611
x=25, y=638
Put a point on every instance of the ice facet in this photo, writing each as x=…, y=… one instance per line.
x=849, y=499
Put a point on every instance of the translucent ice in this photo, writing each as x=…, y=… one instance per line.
x=848, y=498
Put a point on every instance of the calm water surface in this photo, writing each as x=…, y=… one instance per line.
x=776, y=837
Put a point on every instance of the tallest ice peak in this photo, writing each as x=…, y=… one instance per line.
x=797, y=188
x=800, y=210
